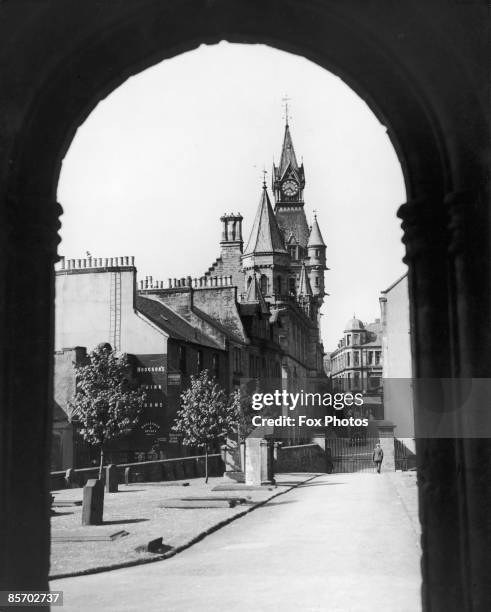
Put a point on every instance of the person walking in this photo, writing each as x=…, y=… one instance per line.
x=378, y=455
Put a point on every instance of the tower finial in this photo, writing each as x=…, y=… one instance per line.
x=264, y=177
x=285, y=100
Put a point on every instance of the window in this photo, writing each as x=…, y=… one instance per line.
x=316, y=281
x=317, y=252
x=356, y=339
x=356, y=358
x=199, y=361
x=182, y=359
x=370, y=357
x=348, y=339
x=357, y=380
x=291, y=284
x=252, y=366
x=215, y=366
x=237, y=360
x=348, y=359
x=279, y=285
x=377, y=357
x=374, y=382
x=264, y=284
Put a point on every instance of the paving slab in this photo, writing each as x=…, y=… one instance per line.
x=87, y=534
x=241, y=487
x=197, y=503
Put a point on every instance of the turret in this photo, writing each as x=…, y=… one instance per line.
x=316, y=249
x=265, y=253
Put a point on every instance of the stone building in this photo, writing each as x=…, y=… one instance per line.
x=254, y=315
x=96, y=301
x=397, y=360
x=356, y=364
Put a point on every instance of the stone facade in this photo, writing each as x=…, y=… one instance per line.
x=252, y=317
x=356, y=364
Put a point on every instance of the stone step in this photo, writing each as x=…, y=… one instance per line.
x=241, y=487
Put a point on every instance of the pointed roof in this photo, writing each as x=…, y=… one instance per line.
x=288, y=157
x=265, y=235
x=315, y=237
x=304, y=287
x=255, y=295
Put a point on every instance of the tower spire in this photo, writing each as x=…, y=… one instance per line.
x=285, y=101
x=265, y=235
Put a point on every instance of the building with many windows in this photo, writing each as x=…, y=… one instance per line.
x=253, y=315
x=356, y=364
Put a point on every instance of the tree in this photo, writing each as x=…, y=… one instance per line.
x=206, y=414
x=106, y=402
x=241, y=405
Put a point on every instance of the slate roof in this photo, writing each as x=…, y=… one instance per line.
x=265, y=235
x=288, y=157
x=315, y=238
x=170, y=322
x=293, y=221
x=228, y=330
x=354, y=324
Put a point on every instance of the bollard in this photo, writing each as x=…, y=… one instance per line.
x=111, y=478
x=127, y=475
x=70, y=478
x=93, y=502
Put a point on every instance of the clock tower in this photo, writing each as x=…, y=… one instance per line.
x=288, y=182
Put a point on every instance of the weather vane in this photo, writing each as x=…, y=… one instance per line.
x=264, y=176
x=285, y=100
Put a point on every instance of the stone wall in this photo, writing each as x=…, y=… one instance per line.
x=303, y=458
x=148, y=471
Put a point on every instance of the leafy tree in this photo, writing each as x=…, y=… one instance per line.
x=106, y=402
x=206, y=414
x=241, y=405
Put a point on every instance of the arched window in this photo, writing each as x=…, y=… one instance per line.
x=264, y=284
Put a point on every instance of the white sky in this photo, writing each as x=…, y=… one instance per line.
x=166, y=154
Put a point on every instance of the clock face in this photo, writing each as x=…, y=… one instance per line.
x=290, y=188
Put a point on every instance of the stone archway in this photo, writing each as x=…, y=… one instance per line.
x=431, y=93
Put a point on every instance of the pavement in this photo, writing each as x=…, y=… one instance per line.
x=340, y=542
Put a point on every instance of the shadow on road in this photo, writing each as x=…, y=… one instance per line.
x=125, y=521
